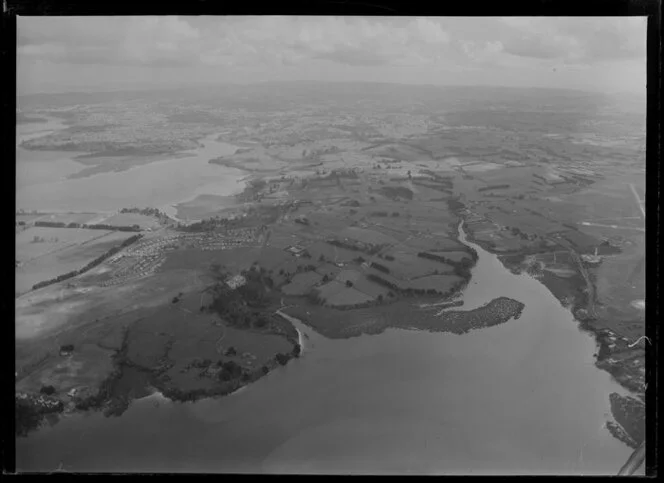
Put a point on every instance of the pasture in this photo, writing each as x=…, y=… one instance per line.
x=367, y=236
x=29, y=245
x=64, y=259
x=407, y=266
x=442, y=283
x=370, y=289
x=301, y=283
x=130, y=219
x=329, y=289
x=347, y=296
x=88, y=365
x=235, y=259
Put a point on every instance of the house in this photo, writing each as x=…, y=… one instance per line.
x=295, y=250
x=66, y=350
x=236, y=281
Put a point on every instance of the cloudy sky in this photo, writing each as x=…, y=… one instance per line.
x=100, y=53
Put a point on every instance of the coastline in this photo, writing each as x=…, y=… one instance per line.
x=113, y=401
x=627, y=411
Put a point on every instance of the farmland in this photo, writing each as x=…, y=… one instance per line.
x=335, y=214
x=45, y=253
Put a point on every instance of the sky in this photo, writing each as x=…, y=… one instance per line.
x=60, y=54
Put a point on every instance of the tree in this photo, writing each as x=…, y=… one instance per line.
x=48, y=390
x=349, y=283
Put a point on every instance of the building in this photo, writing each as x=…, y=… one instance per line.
x=236, y=281
x=592, y=259
x=295, y=250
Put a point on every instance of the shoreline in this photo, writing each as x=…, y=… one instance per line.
x=34, y=408
x=633, y=436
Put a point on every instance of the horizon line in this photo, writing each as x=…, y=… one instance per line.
x=203, y=85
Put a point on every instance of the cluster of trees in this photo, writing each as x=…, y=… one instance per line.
x=381, y=281
x=206, y=225
x=356, y=246
x=229, y=370
x=145, y=211
x=409, y=291
x=378, y=213
x=461, y=268
x=96, y=226
x=397, y=192
x=41, y=239
x=454, y=204
x=353, y=203
x=47, y=390
x=239, y=307
x=27, y=417
x=380, y=267
x=51, y=224
x=493, y=187
x=524, y=236
x=90, y=265
x=386, y=257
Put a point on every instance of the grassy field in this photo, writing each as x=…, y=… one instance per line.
x=54, y=239
x=65, y=259
x=367, y=236
x=407, y=266
x=329, y=289
x=348, y=296
x=442, y=283
x=61, y=217
x=235, y=259
x=88, y=365
x=454, y=255
x=371, y=289
x=301, y=283
x=204, y=206
x=332, y=253
x=130, y=219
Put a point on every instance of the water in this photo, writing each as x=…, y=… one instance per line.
x=41, y=182
x=521, y=397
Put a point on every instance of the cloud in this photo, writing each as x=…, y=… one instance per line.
x=576, y=40
x=109, y=40
x=354, y=57
x=302, y=46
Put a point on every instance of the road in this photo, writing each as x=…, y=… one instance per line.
x=637, y=228
x=638, y=201
x=591, y=288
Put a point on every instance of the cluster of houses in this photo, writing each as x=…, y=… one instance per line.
x=40, y=400
x=145, y=266
x=154, y=246
x=221, y=240
x=614, y=339
x=146, y=257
